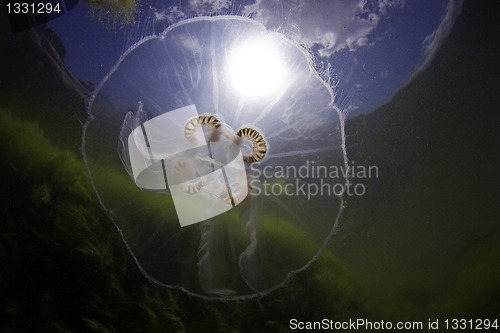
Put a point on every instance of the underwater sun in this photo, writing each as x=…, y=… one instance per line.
x=256, y=68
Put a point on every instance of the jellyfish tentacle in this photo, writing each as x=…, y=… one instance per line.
x=259, y=145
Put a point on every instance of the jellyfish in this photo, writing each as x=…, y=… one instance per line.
x=208, y=144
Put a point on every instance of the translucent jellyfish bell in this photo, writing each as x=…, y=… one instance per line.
x=214, y=146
